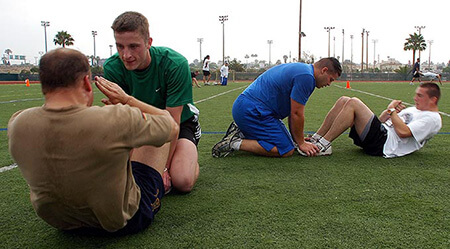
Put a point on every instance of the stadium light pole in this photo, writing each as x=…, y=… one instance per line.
x=110, y=50
x=351, y=57
x=328, y=30
x=429, y=53
x=222, y=20
x=45, y=24
x=367, y=50
x=343, y=36
x=419, y=28
x=200, y=40
x=300, y=33
x=374, y=54
x=362, y=50
x=94, y=33
x=270, y=50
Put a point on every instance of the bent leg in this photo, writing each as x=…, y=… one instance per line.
x=184, y=169
x=354, y=112
x=253, y=146
x=332, y=114
x=155, y=157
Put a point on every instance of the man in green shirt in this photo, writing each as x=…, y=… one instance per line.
x=161, y=77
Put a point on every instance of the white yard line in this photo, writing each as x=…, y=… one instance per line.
x=6, y=168
x=220, y=94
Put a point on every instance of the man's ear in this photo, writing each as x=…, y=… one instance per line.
x=150, y=41
x=324, y=70
x=87, y=83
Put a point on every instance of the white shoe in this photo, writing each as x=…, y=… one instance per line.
x=323, y=151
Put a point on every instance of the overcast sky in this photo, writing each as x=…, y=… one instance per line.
x=251, y=23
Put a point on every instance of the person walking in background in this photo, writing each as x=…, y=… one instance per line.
x=206, y=72
x=416, y=72
x=224, y=74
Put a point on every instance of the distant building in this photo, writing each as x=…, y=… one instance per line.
x=13, y=59
x=390, y=65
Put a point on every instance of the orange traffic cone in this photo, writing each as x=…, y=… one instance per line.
x=348, y=84
x=27, y=81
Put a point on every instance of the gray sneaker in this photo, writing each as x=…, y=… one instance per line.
x=223, y=147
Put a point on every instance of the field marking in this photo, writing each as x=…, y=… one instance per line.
x=10, y=167
x=220, y=94
x=382, y=97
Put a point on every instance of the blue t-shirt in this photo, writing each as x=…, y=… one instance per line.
x=275, y=87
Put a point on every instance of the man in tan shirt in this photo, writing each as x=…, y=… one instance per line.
x=87, y=166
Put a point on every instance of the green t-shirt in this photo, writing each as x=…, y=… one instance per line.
x=166, y=82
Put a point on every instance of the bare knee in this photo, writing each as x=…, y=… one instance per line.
x=289, y=153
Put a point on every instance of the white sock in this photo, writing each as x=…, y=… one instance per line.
x=235, y=145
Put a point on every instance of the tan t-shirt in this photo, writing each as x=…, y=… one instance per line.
x=75, y=161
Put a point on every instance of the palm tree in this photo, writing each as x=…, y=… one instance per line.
x=63, y=38
x=415, y=42
x=6, y=58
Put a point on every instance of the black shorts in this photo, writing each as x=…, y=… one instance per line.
x=206, y=73
x=374, y=142
x=416, y=74
x=151, y=185
x=191, y=130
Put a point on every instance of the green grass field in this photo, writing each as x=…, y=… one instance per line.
x=347, y=200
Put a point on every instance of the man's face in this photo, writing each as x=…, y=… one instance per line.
x=133, y=49
x=325, y=77
x=422, y=101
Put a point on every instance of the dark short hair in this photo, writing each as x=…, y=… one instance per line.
x=131, y=21
x=331, y=63
x=433, y=90
x=61, y=68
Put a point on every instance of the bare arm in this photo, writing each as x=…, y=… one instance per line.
x=400, y=127
x=296, y=126
x=175, y=112
x=116, y=95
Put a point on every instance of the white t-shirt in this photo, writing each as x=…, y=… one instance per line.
x=224, y=71
x=423, y=125
x=206, y=65
x=430, y=75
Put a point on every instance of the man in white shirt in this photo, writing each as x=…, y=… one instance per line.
x=396, y=132
x=432, y=76
x=224, y=74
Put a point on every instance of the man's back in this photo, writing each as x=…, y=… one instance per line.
x=276, y=86
x=75, y=160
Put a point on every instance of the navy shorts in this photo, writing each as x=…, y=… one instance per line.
x=374, y=142
x=152, y=190
x=257, y=122
x=191, y=130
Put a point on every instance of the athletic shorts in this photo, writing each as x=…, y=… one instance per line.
x=416, y=74
x=374, y=141
x=191, y=130
x=206, y=73
x=151, y=185
x=257, y=122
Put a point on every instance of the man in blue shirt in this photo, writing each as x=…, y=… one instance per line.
x=416, y=72
x=280, y=92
